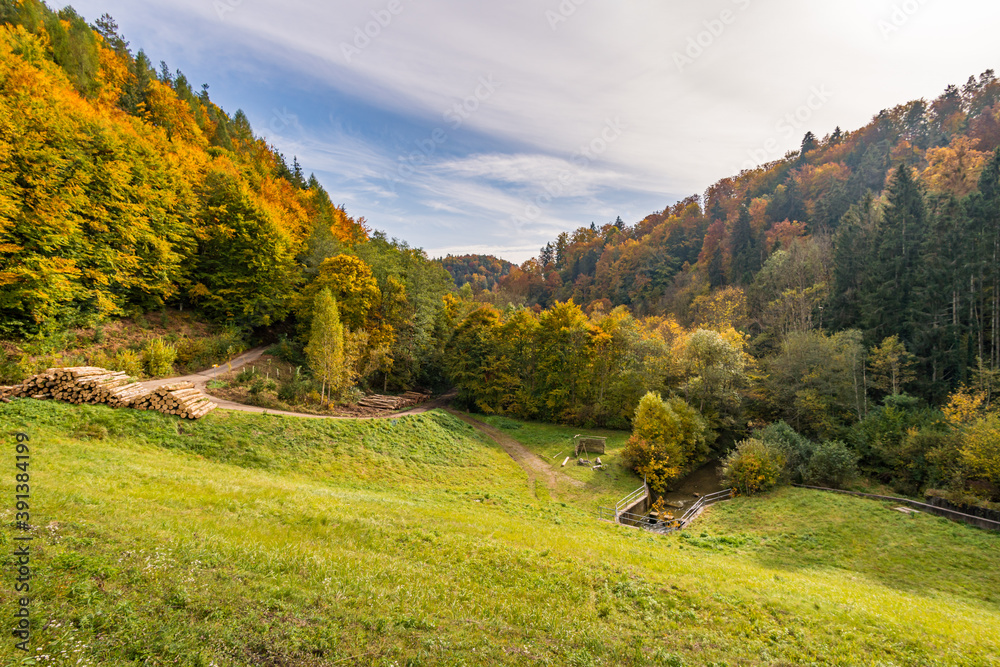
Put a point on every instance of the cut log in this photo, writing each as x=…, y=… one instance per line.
x=177, y=386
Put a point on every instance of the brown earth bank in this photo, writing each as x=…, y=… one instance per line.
x=699, y=483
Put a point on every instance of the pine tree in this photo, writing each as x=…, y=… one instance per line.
x=892, y=308
x=941, y=286
x=809, y=143
x=746, y=259
x=853, y=245
x=984, y=261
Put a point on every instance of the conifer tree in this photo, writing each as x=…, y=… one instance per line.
x=852, y=255
x=984, y=207
x=892, y=308
x=746, y=258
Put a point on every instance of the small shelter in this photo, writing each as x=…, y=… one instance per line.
x=589, y=444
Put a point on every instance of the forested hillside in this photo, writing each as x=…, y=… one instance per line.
x=125, y=191
x=892, y=229
x=850, y=289
x=482, y=272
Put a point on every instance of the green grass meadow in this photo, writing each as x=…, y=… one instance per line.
x=247, y=539
x=553, y=443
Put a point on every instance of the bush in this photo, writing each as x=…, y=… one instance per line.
x=101, y=359
x=12, y=370
x=295, y=388
x=753, y=467
x=158, y=357
x=981, y=450
x=199, y=353
x=246, y=375
x=129, y=361
x=289, y=351
x=797, y=448
x=833, y=463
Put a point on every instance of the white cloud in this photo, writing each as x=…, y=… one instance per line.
x=685, y=127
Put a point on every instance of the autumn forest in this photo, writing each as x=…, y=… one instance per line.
x=841, y=304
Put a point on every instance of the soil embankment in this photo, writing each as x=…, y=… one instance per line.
x=702, y=481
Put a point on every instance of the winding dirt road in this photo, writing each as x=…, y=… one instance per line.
x=531, y=463
x=202, y=378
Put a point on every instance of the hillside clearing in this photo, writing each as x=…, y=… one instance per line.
x=250, y=540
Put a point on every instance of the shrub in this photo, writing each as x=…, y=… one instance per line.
x=158, y=357
x=101, y=359
x=246, y=375
x=294, y=388
x=753, y=467
x=833, y=463
x=257, y=386
x=204, y=352
x=981, y=450
x=797, y=448
x=13, y=370
x=129, y=361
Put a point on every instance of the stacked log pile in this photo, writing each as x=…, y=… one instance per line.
x=180, y=399
x=91, y=385
x=407, y=400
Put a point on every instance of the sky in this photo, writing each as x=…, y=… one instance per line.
x=491, y=127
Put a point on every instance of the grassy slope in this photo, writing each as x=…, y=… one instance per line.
x=246, y=539
x=553, y=443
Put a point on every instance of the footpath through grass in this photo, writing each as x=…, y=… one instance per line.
x=553, y=443
x=255, y=540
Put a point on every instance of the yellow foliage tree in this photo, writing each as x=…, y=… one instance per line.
x=981, y=448
x=955, y=169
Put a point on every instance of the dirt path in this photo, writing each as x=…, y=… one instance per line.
x=202, y=378
x=530, y=462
